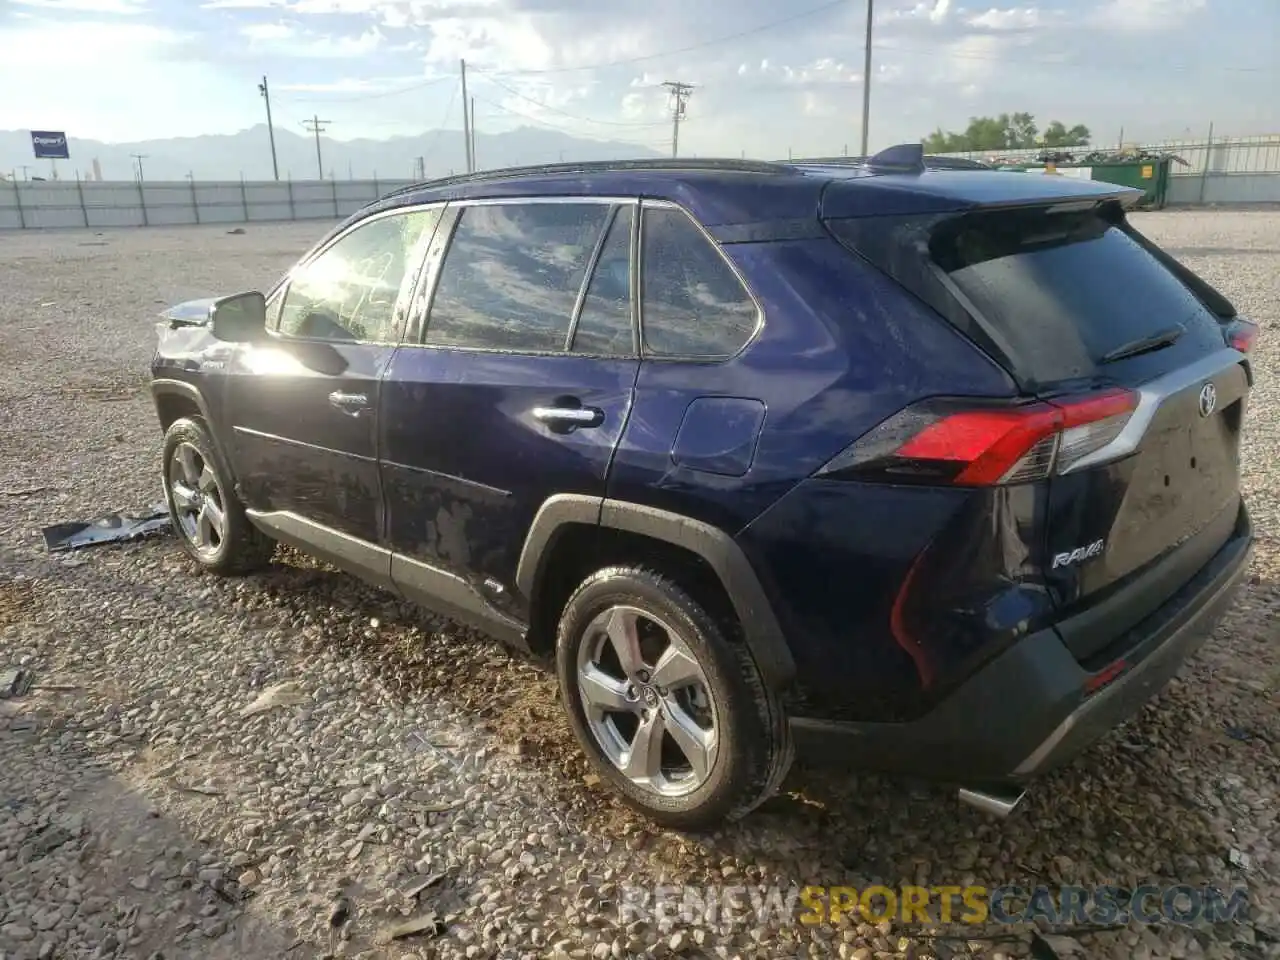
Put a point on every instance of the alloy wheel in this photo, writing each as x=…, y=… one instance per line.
x=647, y=702
x=198, y=504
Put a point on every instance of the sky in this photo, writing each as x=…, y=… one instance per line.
x=768, y=77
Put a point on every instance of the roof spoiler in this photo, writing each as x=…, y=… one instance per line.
x=903, y=158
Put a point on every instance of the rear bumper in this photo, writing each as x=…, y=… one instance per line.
x=1030, y=709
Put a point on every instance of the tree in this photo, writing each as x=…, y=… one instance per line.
x=1056, y=135
x=1005, y=132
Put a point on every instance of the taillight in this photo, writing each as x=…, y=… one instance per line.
x=964, y=443
x=1242, y=334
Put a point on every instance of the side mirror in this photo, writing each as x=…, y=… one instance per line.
x=241, y=318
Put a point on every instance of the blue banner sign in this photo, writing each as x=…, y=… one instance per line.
x=50, y=145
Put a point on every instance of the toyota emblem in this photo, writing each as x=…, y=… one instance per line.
x=1208, y=399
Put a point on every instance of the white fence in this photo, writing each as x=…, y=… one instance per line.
x=1226, y=171
x=60, y=203
x=1221, y=170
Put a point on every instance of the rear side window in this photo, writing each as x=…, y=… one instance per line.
x=1055, y=291
x=694, y=305
x=604, y=326
x=511, y=277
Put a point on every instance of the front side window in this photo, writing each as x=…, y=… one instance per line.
x=694, y=305
x=349, y=292
x=511, y=277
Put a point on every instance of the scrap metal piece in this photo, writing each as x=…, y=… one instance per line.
x=14, y=682
x=111, y=528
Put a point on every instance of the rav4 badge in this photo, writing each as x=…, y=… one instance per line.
x=1078, y=555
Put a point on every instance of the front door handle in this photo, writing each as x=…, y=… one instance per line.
x=352, y=404
x=564, y=419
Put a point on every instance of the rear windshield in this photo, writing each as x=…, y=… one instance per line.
x=1054, y=291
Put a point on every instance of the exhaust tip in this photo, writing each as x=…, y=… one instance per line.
x=996, y=802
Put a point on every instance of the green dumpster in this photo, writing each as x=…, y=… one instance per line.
x=1149, y=176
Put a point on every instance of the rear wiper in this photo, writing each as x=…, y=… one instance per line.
x=1154, y=341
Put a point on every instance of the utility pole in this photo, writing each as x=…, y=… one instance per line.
x=271, y=130
x=316, y=125
x=679, y=98
x=139, y=157
x=866, y=82
x=475, y=162
x=466, y=119
x=24, y=168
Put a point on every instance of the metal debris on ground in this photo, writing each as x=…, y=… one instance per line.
x=1239, y=859
x=14, y=682
x=428, y=923
x=287, y=694
x=111, y=528
x=416, y=888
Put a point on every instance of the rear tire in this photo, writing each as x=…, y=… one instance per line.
x=682, y=726
x=203, y=507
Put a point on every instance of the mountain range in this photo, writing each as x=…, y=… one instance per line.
x=248, y=154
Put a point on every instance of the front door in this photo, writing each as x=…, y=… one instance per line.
x=519, y=390
x=303, y=406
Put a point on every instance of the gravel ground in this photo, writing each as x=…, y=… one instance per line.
x=143, y=814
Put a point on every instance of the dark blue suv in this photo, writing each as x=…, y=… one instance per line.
x=925, y=470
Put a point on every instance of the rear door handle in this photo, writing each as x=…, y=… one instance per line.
x=564, y=419
x=352, y=404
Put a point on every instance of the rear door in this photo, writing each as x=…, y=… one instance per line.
x=1071, y=302
x=518, y=388
x=303, y=406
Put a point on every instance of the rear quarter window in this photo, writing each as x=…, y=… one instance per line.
x=693, y=304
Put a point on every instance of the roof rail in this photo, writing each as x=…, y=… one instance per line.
x=598, y=166
x=931, y=162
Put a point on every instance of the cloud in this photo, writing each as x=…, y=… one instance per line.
x=934, y=11
x=353, y=85
x=126, y=7
x=1142, y=16
x=267, y=31
x=83, y=43
x=1008, y=18
x=289, y=40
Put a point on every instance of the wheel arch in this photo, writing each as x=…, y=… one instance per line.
x=563, y=513
x=175, y=399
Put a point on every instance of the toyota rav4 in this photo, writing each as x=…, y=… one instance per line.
x=924, y=470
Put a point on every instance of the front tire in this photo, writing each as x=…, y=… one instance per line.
x=673, y=713
x=206, y=513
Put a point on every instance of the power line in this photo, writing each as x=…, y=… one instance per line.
x=435, y=139
x=374, y=95
x=680, y=93
x=814, y=11
x=566, y=113
x=559, y=129
x=316, y=125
